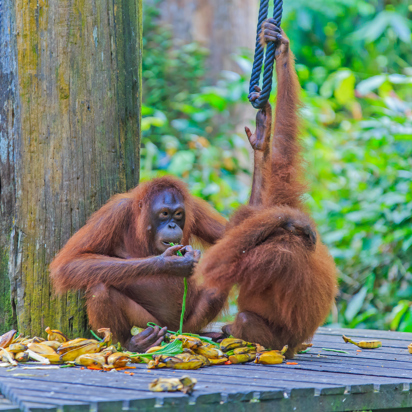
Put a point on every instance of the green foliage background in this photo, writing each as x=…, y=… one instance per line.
x=354, y=61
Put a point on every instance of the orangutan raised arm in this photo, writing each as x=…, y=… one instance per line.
x=271, y=249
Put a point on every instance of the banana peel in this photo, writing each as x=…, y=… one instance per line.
x=17, y=347
x=233, y=343
x=21, y=357
x=246, y=349
x=209, y=352
x=364, y=344
x=118, y=360
x=273, y=357
x=91, y=359
x=41, y=349
x=7, y=338
x=55, y=335
x=219, y=361
x=81, y=348
x=185, y=384
x=242, y=358
x=54, y=344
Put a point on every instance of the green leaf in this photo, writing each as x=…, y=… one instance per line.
x=366, y=86
x=355, y=304
x=397, y=313
x=182, y=162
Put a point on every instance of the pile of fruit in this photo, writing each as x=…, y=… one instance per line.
x=182, y=351
x=193, y=352
x=57, y=349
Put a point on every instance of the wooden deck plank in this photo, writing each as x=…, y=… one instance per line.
x=334, y=381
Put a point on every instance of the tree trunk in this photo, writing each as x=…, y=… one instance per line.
x=70, y=90
x=222, y=26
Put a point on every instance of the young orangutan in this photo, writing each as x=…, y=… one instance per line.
x=271, y=249
x=123, y=259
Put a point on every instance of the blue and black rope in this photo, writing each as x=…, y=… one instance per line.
x=260, y=54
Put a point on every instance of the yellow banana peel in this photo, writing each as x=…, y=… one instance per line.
x=41, y=349
x=242, y=358
x=7, y=338
x=91, y=359
x=22, y=357
x=209, y=352
x=232, y=343
x=80, y=348
x=364, y=344
x=118, y=360
x=55, y=335
x=17, y=347
x=273, y=357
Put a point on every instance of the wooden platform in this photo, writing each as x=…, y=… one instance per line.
x=379, y=379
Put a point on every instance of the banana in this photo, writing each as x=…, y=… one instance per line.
x=166, y=385
x=6, y=356
x=17, y=347
x=169, y=361
x=272, y=357
x=21, y=357
x=81, y=348
x=53, y=358
x=41, y=349
x=17, y=338
x=7, y=338
x=54, y=344
x=246, y=349
x=71, y=344
x=184, y=384
x=36, y=339
x=108, y=336
x=153, y=365
x=108, y=351
x=187, y=357
x=220, y=361
x=188, y=384
x=91, y=359
x=55, y=335
x=364, y=344
x=232, y=343
x=118, y=360
x=209, y=352
x=242, y=358
x=205, y=361
x=190, y=342
x=153, y=349
x=190, y=365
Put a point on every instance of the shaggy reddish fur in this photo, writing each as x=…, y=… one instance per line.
x=286, y=277
x=112, y=259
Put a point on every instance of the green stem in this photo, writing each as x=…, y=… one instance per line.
x=99, y=339
x=336, y=350
x=182, y=315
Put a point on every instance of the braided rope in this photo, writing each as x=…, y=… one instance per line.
x=259, y=54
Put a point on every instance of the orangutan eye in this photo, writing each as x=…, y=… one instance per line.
x=164, y=214
x=178, y=215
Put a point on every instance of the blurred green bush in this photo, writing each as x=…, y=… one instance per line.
x=354, y=61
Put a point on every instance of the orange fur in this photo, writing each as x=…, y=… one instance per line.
x=112, y=258
x=286, y=276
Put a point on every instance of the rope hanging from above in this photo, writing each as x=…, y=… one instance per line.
x=260, y=53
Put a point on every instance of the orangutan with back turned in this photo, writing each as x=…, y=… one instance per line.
x=271, y=249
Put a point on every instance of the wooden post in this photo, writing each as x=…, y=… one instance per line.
x=70, y=92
